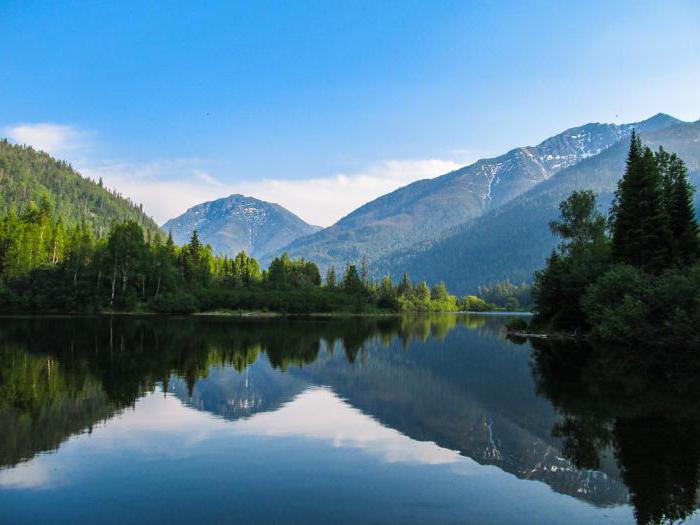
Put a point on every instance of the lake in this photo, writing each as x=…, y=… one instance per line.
x=432, y=419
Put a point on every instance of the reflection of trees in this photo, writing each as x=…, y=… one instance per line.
x=60, y=376
x=642, y=405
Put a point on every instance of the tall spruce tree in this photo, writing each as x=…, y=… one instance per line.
x=639, y=221
x=678, y=200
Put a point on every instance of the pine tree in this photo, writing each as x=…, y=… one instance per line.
x=641, y=234
x=331, y=278
x=364, y=270
x=405, y=286
x=351, y=280
x=678, y=200
x=423, y=292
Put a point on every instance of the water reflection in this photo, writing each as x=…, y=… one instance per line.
x=60, y=376
x=436, y=390
x=641, y=407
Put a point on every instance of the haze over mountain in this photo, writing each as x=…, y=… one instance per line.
x=428, y=209
x=513, y=241
x=236, y=223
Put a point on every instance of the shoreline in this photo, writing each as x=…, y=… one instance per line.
x=260, y=314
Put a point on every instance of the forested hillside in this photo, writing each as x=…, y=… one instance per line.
x=514, y=241
x=28, y=175
x=428, y=209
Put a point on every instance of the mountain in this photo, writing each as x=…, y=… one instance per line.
x=514, y=240
x=427, y=209
x=236, y=223
x=28, y=175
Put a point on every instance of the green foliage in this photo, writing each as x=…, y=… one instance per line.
x=176, y=302
x=472, y=303
x=28, y=175
x=641, y=234
x=627, y=305
x=505, y=294
x=678, y=200
x=46, y=267
x=641, y=285
x=579, y=259
x=285, y=272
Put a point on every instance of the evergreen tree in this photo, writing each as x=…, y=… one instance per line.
x=387, y=293
x=439, y=292
x=352, y=283
x=364, y=270
x=423, y=292
x=678, y=200
x=640, y=226
x=580, y=258
x=331, y=278
x=405, y=286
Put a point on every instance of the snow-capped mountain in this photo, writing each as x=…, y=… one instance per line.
x=237, y=223
x=513, y=240
x=428, y=209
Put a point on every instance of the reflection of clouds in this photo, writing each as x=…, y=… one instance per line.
x=316, y=414
x=319, y=414
x=32, y=474
x=161, y=426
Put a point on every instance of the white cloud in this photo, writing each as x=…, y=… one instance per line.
x=55, y=139
x=325, y=200
x=167, y=189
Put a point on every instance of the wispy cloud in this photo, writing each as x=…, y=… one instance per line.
x=168, y=187
x=56, y=139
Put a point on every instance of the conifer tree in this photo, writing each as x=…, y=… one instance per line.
x=405, y=286
x=331, y=278
x=364, y=270
x=352, y=282
x=678, y=200
x=641, y=234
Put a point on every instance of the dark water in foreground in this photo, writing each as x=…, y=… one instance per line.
x=360, y=420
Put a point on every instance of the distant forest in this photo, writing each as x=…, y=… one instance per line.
x=70, y=245
x=47, y=266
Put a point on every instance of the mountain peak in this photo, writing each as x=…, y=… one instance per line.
x=239, y=222
x=657, y=122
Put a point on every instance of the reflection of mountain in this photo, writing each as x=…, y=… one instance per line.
x=473, y=394
x=60, y=377
x=465, y=389
x=232, y=395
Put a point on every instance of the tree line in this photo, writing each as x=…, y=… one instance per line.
x=634, y=276
x=48, y=266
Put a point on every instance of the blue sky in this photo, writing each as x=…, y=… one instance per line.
x=321, y=106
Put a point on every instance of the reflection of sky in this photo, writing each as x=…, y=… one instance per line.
x=315, y=454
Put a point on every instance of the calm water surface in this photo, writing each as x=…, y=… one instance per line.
x=359, y=420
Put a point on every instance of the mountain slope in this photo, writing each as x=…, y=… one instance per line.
x=428, y=208
x=236, y=223
x=514, y=240
x=27, y=175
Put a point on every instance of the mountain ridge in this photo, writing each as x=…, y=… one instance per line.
x=239, y=223
x=428, y=208
x=513, y=241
